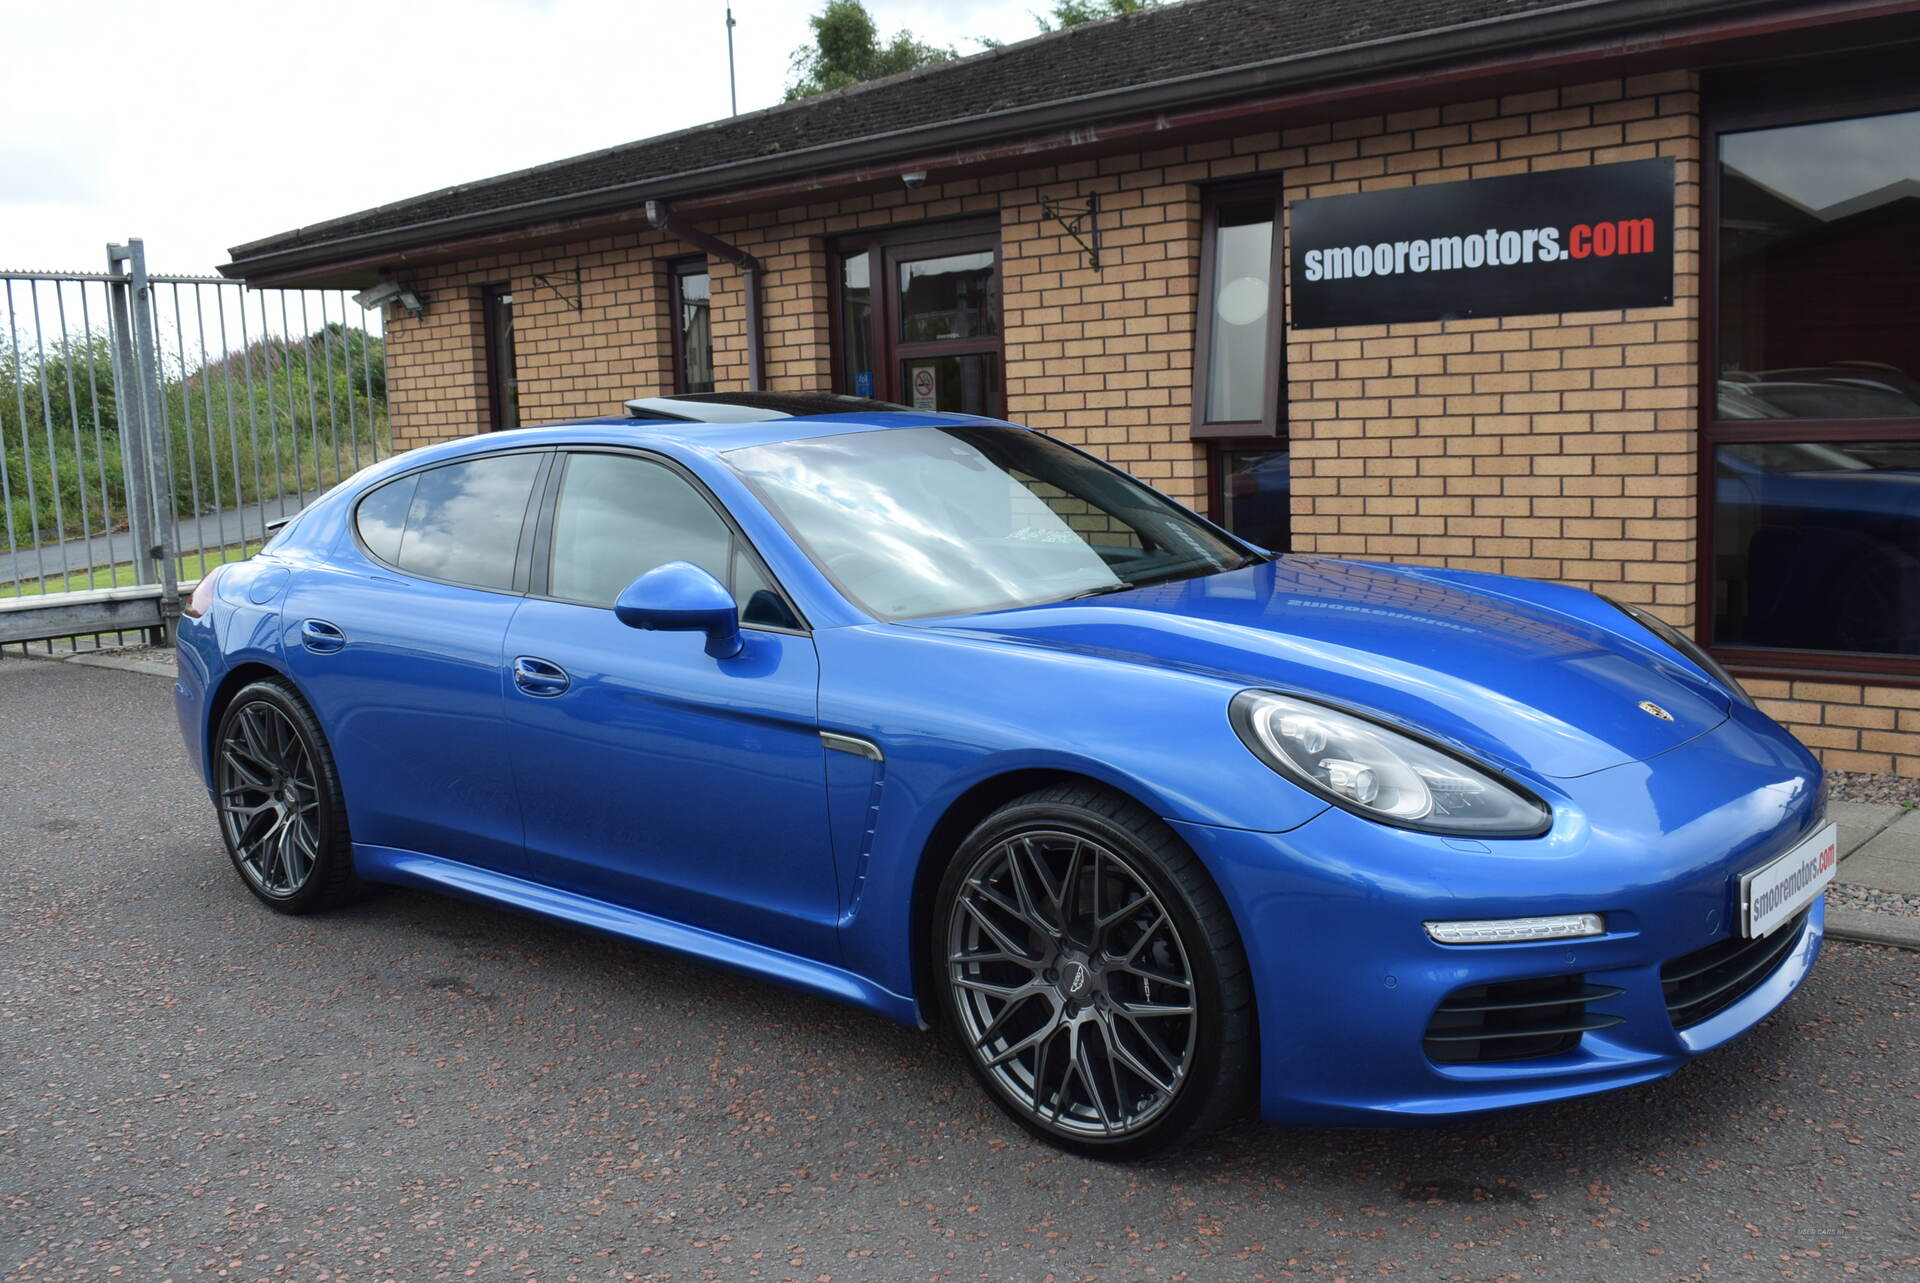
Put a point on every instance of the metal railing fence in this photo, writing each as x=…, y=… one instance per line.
x=152, y=427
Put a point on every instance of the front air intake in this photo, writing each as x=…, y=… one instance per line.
x=1708, y=981
x=1515, y=1020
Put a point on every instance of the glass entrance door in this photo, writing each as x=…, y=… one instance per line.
x=919, y=322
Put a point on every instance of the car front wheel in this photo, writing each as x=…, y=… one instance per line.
x=1093, y=974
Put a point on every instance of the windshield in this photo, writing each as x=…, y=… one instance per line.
x=940, y=521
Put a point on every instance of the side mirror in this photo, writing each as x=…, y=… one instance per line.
x=681, y=597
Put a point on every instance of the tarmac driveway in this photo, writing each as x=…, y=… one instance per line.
x=422, y=1089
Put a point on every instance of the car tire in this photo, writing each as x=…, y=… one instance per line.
x=1070, y=929
x=277, y=791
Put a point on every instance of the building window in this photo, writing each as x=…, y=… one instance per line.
x=856, y=323
x=1238, y=406
x=692, y=326
x=503, y=382
x=918, y=317
x=1253, y=493
x=1811, y=471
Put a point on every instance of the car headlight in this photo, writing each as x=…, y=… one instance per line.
x=1381, y=773
x=1685, y=645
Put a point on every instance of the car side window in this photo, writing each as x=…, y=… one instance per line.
x=382, y=517
x=459, y=522
x=618, y=517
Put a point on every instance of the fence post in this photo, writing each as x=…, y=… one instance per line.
x=144, y=441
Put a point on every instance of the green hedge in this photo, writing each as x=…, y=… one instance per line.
x=223, y=445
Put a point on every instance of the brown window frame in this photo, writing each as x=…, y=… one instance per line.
x=1755, y=102
x=493, y=296
x=678, y=269
x=1269, y=431
x=1272, y=421
x=887, y=246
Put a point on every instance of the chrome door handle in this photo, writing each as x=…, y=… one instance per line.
x=540, y=677
x=321, y=637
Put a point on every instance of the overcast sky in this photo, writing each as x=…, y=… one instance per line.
x=202, y=124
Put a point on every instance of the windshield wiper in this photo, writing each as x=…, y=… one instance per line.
x=1165, y=577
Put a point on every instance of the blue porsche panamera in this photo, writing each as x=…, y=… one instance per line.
x=940, y=717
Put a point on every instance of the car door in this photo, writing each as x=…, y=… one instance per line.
x=650, y=774
x=397, y=644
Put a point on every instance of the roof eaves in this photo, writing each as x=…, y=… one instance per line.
x=1538, y=27
x=708, y=126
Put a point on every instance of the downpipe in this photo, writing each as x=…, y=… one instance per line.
x=660, y=214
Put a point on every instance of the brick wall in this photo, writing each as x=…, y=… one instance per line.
x=436, y=364
x=1556, y=447
x=1852, y=727
x=591, y=329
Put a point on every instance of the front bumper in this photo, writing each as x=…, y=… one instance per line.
x=1347, y=980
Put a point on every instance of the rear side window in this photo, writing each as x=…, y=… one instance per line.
x=460, y=522
x=383, y=516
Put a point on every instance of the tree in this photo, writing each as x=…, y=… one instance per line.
x=1071, y=13
x=846, y=50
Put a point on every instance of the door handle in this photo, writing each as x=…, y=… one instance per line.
x=539, y=677
x=321, y=637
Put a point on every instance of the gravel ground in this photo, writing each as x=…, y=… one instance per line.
x=423, y=1089
x=1859, y=786
x=1845, y=895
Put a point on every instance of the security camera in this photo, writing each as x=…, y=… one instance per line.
x=914, y=177
x=376, y=295
x=388, y=292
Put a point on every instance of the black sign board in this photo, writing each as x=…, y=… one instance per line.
x=1566, y=240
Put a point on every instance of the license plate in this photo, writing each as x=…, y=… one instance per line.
x=1777, y=890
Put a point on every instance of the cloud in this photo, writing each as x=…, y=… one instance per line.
x=202, y=124
x=33, y=173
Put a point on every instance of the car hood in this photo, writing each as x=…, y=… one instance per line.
x=1517, y=683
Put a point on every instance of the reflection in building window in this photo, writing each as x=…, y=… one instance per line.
x=503, y=373
x=1238, y=356
x=1257, y=503
x=856, y=324
x=951, y=297
x=1817, y=546
x=1814, y=542
x=693, y=308
x=1819, y=248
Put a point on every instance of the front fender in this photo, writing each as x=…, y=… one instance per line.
x=950, y=713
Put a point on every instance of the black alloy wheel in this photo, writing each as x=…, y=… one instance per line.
x=278, y=795
x=1093, y=974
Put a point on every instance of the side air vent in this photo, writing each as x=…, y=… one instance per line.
x=1515, y=1020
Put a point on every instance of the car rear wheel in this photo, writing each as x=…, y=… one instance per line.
x=1093, y=975
x=281, y=810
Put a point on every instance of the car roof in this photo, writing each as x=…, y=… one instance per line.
x=720, y=438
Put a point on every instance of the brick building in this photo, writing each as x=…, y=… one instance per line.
x=1093, y=233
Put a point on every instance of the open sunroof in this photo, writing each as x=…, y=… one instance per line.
x=751, y=407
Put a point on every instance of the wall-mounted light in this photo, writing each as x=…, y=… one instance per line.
x=390, y=292
x=914, y=177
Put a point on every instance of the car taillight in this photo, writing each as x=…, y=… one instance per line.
x=198, y=604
